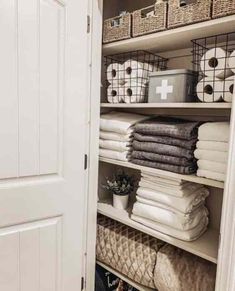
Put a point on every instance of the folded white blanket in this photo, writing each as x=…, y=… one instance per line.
x=181, y=222
x=120, y=122
x=211, y=175
x=214, y=156
x=213, y=145
x=115, y=155
x=162, y=184
x=162, y=180
x=188, y=235
x=212, y=166
x=214, y=131
x=114, y=145
x=109, y=135
x=191, y=187
x=182, y=204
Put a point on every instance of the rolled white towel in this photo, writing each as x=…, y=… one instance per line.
x=114, y=145
x=213, y=145
x=109, y=135
x=181, y=222
x=115, y=155
x=188, y=235
x=183, y=205
x=211, y=175
x=214, y=131
x=212, y=166
x=214, y=156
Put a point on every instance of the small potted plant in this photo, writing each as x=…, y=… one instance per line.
x=121, y=186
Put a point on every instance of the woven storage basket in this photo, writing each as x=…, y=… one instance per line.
x=199, y=10
x=143, y=24
x=223, y=8
x=120, y=31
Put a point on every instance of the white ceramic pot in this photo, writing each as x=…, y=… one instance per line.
x=120, y=202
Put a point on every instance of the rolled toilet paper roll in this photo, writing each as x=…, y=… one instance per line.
x=137, y=71
x=228, y=89
x=232, y=61
x=215, y=63
x=116, y=73
x=115, y=94
x=134, y=93
x=210, y=90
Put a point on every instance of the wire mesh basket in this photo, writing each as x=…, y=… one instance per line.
x=214, y=60
x=127, y=75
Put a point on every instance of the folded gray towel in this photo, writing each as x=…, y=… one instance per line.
x=166, y=126
x=163, y=149
x=187, y=144
x=141, y=155
x=167, y=167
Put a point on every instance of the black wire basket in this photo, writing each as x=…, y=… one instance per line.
x=214, y=60
x=127, y=75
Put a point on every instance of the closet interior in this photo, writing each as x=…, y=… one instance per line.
x=177, y=47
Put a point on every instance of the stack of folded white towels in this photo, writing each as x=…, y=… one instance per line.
x=212, y=150
x=116, y=130
x=171, y=206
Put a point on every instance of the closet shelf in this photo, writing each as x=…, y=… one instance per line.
x=124, y=278
x=179, y=37
x=190, y=105
x=190, y=178
x=205, y=247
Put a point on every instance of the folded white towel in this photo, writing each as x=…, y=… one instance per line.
x=212, y=166
x=114, y=145
x=213, y=145
x=211, y=175
x=182, y=204
x=174, y=220
x=115, y=155
x=214, y=131
x=214, y=156
x=170, y=190
x=108, y=135
x=162, y=184
x=189, y=235
x=120, y=122
x=163, y=180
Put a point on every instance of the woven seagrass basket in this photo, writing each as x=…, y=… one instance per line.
x=223, y=8
x=181, y=13
x=117, y=28
x=150, y=19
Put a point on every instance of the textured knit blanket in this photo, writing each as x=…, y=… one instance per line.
x=171, y=127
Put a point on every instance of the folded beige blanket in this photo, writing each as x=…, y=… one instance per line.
x=115, y=155
x=178, y=270
x=212, y=166
x=214, y=156
x=174, y=220
x=114, y=145
x=214, y=131
x=109, y=135
x=213, y=145
x=211, y=175
x=181, y=204
x=189, y=235
x=186, y=191
x=167, y=181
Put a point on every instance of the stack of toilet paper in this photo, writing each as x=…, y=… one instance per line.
x=127, y=81
x=218, y=66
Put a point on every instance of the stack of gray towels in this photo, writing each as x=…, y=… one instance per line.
x=166, y=143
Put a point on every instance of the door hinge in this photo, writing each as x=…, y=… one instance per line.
x=85, y=161
x=82, y=283
x=88, y=24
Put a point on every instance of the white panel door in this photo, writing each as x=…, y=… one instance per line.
x=43, y=134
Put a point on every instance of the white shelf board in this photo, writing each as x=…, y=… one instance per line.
x=124, y=278
x=173, y=39
x=190, y=178
x=205, y=247
x=188, y=105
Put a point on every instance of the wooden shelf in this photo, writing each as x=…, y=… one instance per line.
x=124, y=278
x=205, y=247
x=190, y=178
x=180, y=37
x=170, y=105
